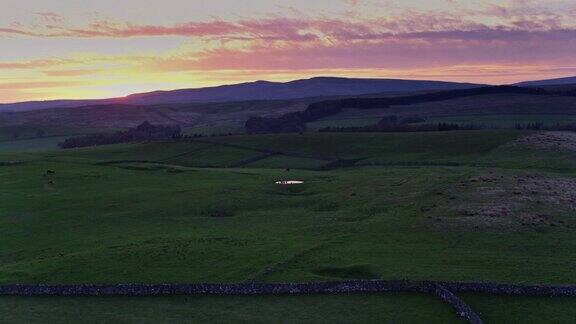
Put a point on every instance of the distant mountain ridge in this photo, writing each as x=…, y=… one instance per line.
x=258, y=90
x=548, y=82
x=315, y=87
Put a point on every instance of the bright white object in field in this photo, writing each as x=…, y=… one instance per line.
x=289, y=182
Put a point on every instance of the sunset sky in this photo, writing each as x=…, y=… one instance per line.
x=53, y=49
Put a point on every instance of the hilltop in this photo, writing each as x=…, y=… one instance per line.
x=258, y=90
x=549, y=82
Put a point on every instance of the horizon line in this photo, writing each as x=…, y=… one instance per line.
x=248, y=82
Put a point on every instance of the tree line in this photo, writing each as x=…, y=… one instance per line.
x=405, y=124
x=143, y=132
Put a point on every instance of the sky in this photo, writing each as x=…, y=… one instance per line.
x=75, y=49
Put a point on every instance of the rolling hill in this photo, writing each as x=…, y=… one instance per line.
x=259, y=90
x=265, y=90
x=549, y=82
x=225, y=117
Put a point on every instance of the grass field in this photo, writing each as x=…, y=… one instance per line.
x=497, y=121
x=494, y=309
x=25, y=138
x=290, y=309
x=374, y=308
x=494, y=104
x=506, y=121
x=175, y=212
x=31, y=145
x=342, y=122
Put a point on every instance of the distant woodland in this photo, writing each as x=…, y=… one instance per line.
x=143, y=132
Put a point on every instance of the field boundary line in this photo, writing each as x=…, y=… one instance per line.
x=258, y=288
x=269, y=151
x=253, y=159
x=459, y=306
x=443, y=290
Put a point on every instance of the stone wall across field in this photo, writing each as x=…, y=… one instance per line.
x=512, y=289
x=216, y=289
x=444, y=290
x=457, y=304
x=353, y=286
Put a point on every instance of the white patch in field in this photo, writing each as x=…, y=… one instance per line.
x=289, y=182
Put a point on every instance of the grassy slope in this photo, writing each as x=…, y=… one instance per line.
x=506, y=121
x=499, y=104
x=495, y=309
x=430, y=147
x=310, y=151
x=220, y=118
x=396, y=308
x=500, y=111
x=188, y=115
x=29, y=141
x=29, y=132
x=144, y=223
x=178, y=153
x=342, y=122
x=488, y=121
x=31, y=145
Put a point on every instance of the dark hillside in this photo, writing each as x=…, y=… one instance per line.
x=549, y=82
x=259, y=90
x=295, y=122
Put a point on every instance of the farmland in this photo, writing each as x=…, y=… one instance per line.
x=182, y=212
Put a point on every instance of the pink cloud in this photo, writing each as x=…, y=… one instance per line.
x=413, y=40
x=14, y=31
x=122, y=30
x=363, y=48
x=292, y=43
x=283, y=28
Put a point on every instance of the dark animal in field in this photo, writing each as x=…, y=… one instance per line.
x=287, y=169
x=50, y=172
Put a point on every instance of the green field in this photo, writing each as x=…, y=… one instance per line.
x=215, y=129
x=396, y=308
x=342, y=122
x=389, y=206
x=506, y=121
x=374, y=308
x=498, y=121
x=31, y=145
x=29, y=138
x=496, y=309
